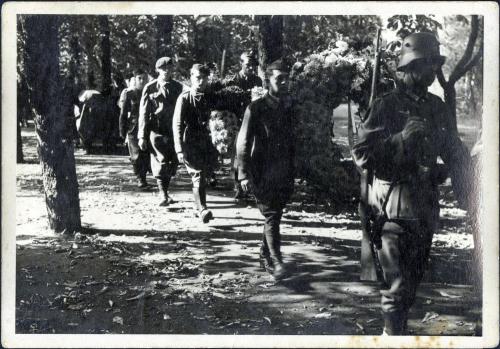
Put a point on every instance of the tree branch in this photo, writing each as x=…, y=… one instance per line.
x=458, y=72
x=475, y=59
x=441, y=78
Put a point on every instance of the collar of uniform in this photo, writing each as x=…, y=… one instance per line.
x=272, y=101
x=161, y=83
x=413, y=96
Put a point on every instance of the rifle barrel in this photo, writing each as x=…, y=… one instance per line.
x=373, y=92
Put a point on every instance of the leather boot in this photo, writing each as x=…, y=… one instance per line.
x=141, y=177
x=280, y=271
x=265, y=260
x=163, y=184
x=200, y=201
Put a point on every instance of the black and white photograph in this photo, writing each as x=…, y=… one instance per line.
x=250, y=174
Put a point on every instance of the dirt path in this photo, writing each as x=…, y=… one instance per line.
x=140, y=268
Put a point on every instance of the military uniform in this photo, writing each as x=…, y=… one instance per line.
x=246, y=83
x=265, y=154
x=130, y=100
x=399, y=142
x=405, y=184
x=155, y=124
x=192, y=138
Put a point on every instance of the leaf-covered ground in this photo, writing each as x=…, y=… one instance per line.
x=140, y=268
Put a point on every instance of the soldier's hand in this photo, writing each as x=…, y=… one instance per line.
x=414, y=129
x=143, y=144
x=245, y=185
x=180, y=157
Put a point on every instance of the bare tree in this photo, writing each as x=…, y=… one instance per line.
x=51, y=110
x=466, y=63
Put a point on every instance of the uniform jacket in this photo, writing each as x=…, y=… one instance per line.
x=265, y=148
x=190, y=129
x=157, y=108
x=130, y=100
x=408, y=178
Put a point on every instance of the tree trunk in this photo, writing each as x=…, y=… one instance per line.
x=350, y=125
x=196, y=49
x=106, y=56
x=20, y=157
x=55, y=148
x=465, y=64
x=450, y=98
x=164, y=28
x=269, y=41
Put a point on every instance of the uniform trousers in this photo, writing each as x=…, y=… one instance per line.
x=163, y=157
x=139, y=159
x=403, y=259
x=199, y=180
x=271, y=238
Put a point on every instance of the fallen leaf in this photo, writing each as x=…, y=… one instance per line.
x=267, y=319
x=166, y=317
x=360, y=326
x=139, y=296
x=78, y=306
x=448, y=295
x=430, y=316
x=118, y=320
x=266, y=285
x=104, y=289
x=110, y=303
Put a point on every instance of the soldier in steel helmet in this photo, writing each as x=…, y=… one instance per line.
x=129, y=119
x=404, y=133
x=155, y=125
x=265, y=154
x=193, y=144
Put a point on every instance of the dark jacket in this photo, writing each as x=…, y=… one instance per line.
x=157, y=108
x=408, y=178
x=130, y=100
x=191, y=130
x=265, y=148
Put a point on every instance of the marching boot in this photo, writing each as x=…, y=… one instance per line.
x=265, y=260
x=201, y=205
x=141, y=177
x=141, y=182
x=163, y=184
x=279, y=272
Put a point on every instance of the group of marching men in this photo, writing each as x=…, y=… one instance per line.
x=404, y=133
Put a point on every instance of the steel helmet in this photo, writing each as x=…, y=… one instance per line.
x=417, y=46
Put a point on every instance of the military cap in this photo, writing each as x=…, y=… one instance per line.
x=163, y=62
x=420, y=46
x=202, y=68
x=278, y=64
